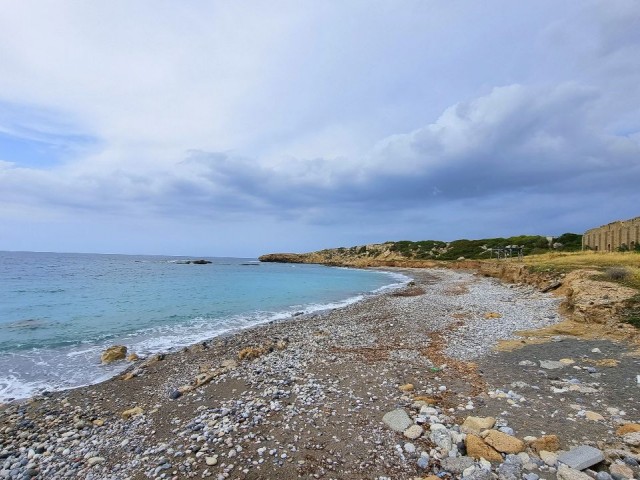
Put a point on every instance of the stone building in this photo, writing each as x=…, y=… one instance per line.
x=612, y=236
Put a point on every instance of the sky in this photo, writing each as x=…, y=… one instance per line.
x=241, y=128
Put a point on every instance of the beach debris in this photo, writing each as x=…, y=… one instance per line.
x=113, y=353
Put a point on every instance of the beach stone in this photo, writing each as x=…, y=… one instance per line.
x=550, y=443
x=549, y=458
x=211, y=461
x=413, y=432
x=175, y=394
x=530, y=476
x=456, y=465
x=407, y=387
x=98, y=422
x=632, y=439
x=441, y=437
x=527, y=363
x=132, y=357
x=132, y=412
x=409, y=447
x=423, y=463
x=397, y=420
x=628, y=428
x=477, y=424
x=113, y=353
x=603, y=476
x=568, y=473
x=619, y=470
x=567, y=361
x=502, y=442
x=581, y=457
x=593, y=416
x=477, y=448
x=95, y=460
x=479, y=474
x=510, y=471
x=551, y=364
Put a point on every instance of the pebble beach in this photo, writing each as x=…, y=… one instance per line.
x=403, y=385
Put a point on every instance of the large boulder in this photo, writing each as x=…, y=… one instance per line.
x=114, y=353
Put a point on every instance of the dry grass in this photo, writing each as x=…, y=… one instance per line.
x=602, y=261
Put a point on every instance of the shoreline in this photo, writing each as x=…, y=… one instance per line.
x=298, y=398
x=116, y=369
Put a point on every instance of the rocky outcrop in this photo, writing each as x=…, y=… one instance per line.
x=113, y=354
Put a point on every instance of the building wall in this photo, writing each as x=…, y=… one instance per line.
x=610, y=237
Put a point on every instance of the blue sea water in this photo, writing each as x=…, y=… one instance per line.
x=58, y=311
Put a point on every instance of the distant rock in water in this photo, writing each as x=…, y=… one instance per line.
x=194, y=262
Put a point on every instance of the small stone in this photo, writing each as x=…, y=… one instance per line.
x=477, y=424
x=618, y=470
x=510, y=471
x=413, y=432
x=132, y=357
x=531, y=476
x=551, y=364
x=456, y=465
x=423, y=463
x=409, y=447
x=603, y=476
x=98, y=422
x=567, y=361
x=549, y=458
x=175, y=394
x=95, y=460
x=527, y=363
x=407, y=387
x=132, y=412
x=568, y=473
x=632, y=439
x=581, y=457
x=397, y=420
x=211, y=461
x=593, y=416
x=441, y=438
x=595, y=350
x=502, y=442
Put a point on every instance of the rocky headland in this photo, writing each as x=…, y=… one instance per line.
x=457, y=375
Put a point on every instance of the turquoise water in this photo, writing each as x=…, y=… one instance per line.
x=59, y=311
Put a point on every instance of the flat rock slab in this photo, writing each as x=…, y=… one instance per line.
x=551, y=364
x=397, y=420
x=581, y=457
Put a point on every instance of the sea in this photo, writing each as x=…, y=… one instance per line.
x=59, y=311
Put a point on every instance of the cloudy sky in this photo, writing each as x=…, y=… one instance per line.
x=240, y=128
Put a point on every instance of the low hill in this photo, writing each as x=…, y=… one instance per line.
x=423, y=252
